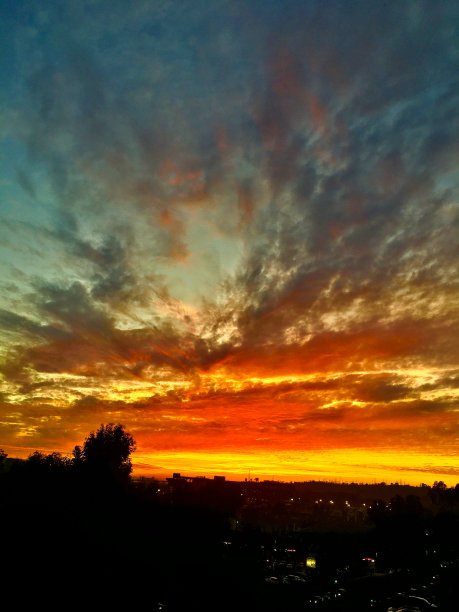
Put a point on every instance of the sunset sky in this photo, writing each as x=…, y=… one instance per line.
x=232, y=226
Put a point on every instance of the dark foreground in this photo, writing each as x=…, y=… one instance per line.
x=69, y=542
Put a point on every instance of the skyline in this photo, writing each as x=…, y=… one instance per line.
x=233, y=228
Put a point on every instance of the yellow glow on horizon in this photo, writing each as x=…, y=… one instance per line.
x=346, y=465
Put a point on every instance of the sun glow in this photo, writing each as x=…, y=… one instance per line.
x=342, y=465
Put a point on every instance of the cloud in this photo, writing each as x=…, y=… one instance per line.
x=196, y=199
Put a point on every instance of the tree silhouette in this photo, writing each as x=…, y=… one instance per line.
x=3, y=457
x=53, y=462
x=106, y=453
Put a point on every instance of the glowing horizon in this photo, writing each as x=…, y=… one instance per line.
x=287, y=466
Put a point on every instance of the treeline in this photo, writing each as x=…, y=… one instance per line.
x=105, y=455
x=77, y=533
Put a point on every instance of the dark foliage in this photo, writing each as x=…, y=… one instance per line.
x=106, y=453
x=79, y=533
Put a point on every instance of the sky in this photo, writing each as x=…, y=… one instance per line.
x=232, y=226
